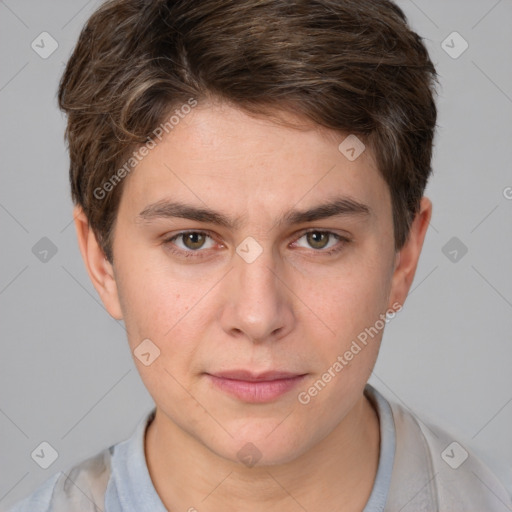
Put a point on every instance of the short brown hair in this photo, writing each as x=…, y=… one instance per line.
x=349, y=65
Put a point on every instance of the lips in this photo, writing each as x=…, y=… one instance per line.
x=253, y=387
x=249, y=376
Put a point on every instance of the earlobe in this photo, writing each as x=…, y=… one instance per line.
x=407, y=258
x=100, y=270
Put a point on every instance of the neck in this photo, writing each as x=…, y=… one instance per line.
x=340, y=469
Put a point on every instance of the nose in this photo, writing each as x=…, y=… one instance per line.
x=258, y=303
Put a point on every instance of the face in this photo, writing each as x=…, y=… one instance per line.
x=218, y=262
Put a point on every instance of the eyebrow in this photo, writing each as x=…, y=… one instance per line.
x=339, y=206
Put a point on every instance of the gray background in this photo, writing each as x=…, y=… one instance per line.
x=66, y=374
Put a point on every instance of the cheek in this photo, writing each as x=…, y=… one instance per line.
x=157, y=308
x=171, y=309
x=350, y=298
x=153, y=303
x=353, y=308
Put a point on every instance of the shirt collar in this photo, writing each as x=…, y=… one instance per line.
x=380, y=490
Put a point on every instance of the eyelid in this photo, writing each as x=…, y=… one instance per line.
x=170, y=238
x=305, y=231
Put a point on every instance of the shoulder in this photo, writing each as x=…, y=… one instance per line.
x=435, y=471
x=79, y=489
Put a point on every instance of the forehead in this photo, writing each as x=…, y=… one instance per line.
x=218, y=155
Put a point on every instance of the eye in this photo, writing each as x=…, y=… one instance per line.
x=189, y=241
x=323, y=241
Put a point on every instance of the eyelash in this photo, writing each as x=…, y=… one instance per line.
x=197, y=253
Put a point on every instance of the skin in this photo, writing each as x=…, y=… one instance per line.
x=293, y=308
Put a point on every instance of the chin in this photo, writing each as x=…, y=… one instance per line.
x=256, y=447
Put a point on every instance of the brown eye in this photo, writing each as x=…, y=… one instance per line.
x=190, y=243
x=194, y=240
x=324, y=243
x=318, y=239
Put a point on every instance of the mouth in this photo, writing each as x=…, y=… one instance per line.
x=250, y=387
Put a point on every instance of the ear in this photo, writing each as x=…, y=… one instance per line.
x=407, y=258
x=100, y=270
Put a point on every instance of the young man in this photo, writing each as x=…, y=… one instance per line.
x=248, y=178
